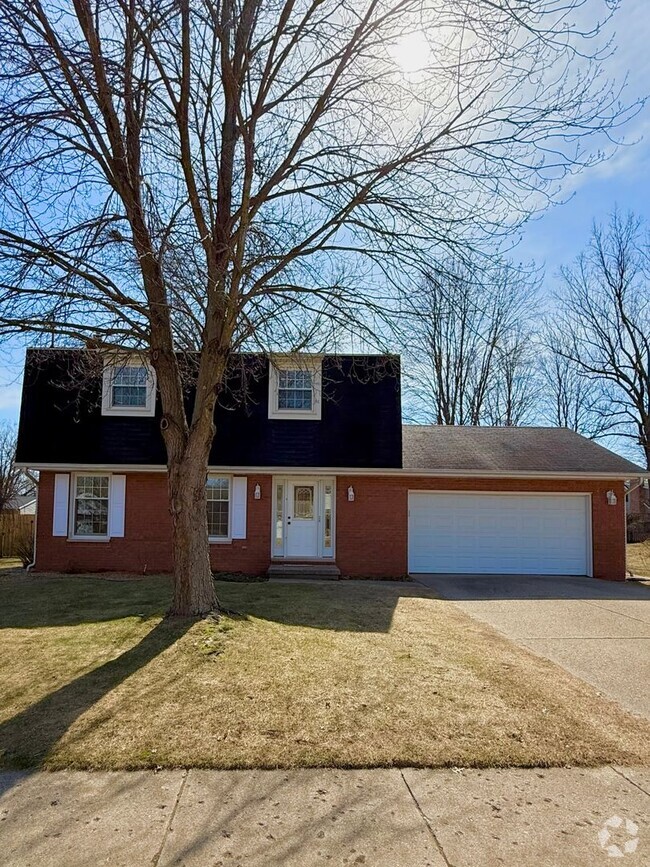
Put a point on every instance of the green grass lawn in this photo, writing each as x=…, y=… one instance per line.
x=295, y=675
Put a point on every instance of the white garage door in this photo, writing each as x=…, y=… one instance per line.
x=517, y=534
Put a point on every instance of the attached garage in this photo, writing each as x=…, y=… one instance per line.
x=499, y=533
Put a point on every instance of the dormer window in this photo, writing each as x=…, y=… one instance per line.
x=129, y=388
x=295, y=387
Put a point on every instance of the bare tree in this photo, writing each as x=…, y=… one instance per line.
x=470, y=363
x=228, y=173
x=12, y=482
x=569, y=398
x=513, y=398
x=604, y=313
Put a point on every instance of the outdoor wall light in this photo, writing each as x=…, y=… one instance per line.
x=611, y=498
x=351, y=494
x=258, y=492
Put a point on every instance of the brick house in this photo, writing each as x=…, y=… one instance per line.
x=311, y=468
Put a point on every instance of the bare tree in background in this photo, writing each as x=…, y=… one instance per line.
x=604, y=314
x=569, y=398
x=470, y=363
x=513, y=398
x=12, y=481
x=262, y=174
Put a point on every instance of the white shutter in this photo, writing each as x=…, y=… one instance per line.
x=116, y=506
x=239, y=486
x=61, y=502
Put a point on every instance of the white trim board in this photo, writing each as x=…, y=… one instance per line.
x=340, y=471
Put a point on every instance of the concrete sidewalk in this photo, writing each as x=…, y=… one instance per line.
x=378, y=818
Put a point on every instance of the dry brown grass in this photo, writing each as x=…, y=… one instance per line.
x=340, y=674
x=638, y=558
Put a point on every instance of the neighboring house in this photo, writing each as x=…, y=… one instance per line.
x=311, y=465
x=23, y=504
x=637, y=502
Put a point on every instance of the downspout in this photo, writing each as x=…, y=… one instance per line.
x=639, y=482
x=33, y=478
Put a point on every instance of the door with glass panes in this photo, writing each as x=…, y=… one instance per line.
x=304, y=518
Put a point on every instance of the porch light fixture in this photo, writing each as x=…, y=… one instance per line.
x=611, y=498
x=351, y=494
x=258, y=492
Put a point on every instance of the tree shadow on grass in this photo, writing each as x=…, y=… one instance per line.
x=27, y=739
x=342, y=606
x=41, y=601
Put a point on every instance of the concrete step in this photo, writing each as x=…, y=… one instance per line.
x=319, y=571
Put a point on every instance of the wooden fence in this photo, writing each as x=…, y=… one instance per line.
x=14, y=527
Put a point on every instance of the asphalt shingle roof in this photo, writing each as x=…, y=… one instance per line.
x=508, y=450
x=19, y=501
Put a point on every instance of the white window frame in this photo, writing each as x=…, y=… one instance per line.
x=222, y=540
x=309, y=363
x=77, y=537
x=148, y=409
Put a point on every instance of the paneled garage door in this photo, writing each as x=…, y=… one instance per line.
x=517, y=534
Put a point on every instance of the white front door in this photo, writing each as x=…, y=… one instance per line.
x=302, y=519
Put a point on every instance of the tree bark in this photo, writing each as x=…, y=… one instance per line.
x=194, y=592
x=188, y=449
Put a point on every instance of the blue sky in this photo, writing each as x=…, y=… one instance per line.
x=558, y=235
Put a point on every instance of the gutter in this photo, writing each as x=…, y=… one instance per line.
x=350, y=471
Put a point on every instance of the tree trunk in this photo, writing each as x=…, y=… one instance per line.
x=194, y=593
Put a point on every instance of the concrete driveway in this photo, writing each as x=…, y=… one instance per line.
x=597, y=630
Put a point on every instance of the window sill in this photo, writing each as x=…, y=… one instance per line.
x=295, y=415
x=89, y=539
x=135, y=412
x=215, y=540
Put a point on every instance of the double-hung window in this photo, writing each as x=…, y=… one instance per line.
x=90, y=506
x=217, y=494
x=295, y=385
x=295, y=389
x=129, y=388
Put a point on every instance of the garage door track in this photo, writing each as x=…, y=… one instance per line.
x=597, y=630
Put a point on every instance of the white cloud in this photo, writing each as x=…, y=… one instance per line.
x=629, y=65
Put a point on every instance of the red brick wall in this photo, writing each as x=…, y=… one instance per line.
x=147, y=533
x=371, y=532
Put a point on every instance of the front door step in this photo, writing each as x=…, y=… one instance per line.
x=320, y=571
